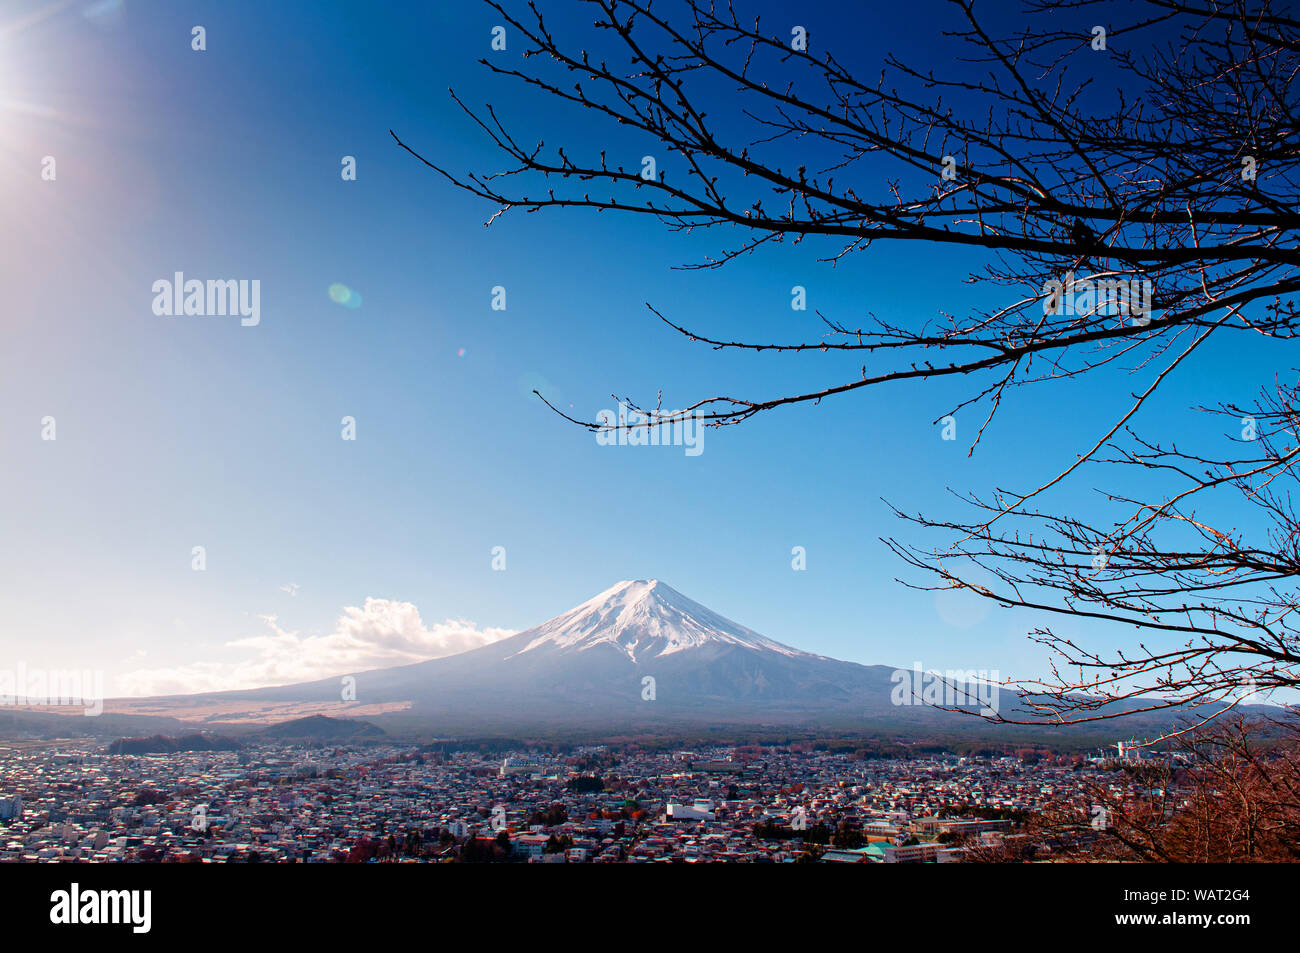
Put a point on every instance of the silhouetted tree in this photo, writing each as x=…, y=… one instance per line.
x=1183, y=182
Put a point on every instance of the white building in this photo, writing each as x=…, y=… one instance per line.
x=912, y=853
x=511, y=766
x=680, y=812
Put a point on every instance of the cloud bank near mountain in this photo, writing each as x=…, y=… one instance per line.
x=381, y=633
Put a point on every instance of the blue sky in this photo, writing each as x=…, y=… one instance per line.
x=174, y=432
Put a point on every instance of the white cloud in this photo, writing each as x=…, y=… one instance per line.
x=381, y=633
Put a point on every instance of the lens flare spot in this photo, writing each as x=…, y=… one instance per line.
x=342, y=294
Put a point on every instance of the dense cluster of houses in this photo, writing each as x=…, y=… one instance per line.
x=391, y=802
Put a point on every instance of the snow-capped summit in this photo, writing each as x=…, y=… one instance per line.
x=643, y=618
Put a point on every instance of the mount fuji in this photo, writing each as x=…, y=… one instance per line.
x=639, y=657
x=643, y=619
x=639, y=654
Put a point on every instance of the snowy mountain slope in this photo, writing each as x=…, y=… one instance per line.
x=644, y=619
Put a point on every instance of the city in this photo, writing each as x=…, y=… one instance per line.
x=434, y=803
